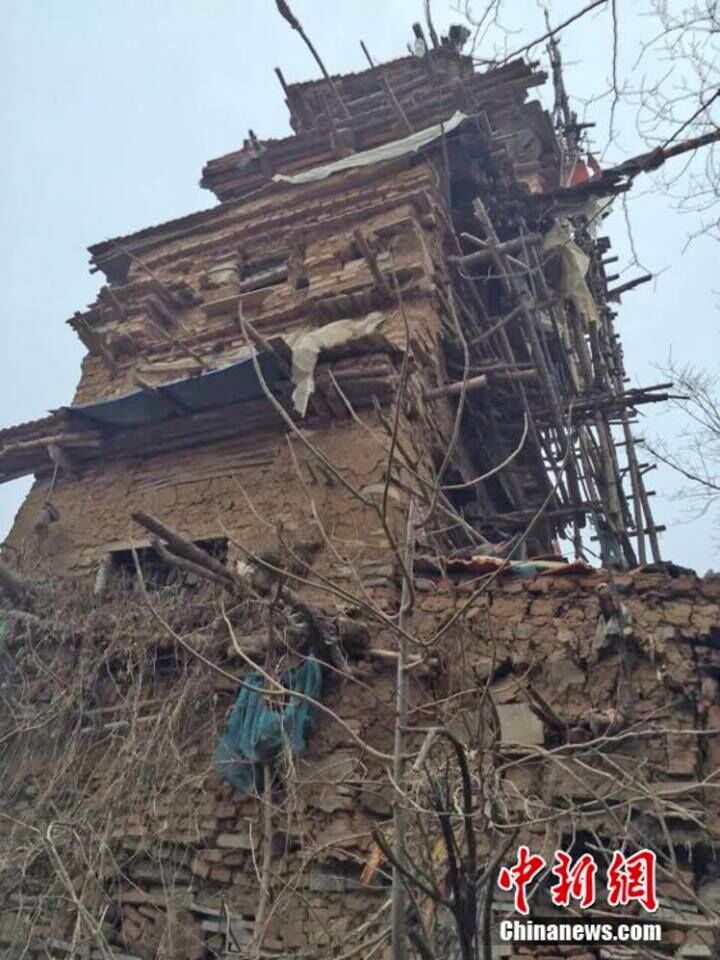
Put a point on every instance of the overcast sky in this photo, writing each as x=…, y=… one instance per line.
x=111, y=109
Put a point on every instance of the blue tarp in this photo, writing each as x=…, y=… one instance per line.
x=216, y=388
x=259, y=726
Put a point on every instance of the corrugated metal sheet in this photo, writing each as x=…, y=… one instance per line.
x=216, y=388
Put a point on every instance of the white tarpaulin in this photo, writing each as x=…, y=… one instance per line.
x=388, y=151
x=575, y=263
x=306, y=347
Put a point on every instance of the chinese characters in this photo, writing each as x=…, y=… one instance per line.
x=629, y=879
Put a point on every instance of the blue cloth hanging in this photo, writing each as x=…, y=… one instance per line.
x=259, y=726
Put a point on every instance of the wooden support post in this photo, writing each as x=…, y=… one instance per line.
x=371, y=260
x=283, y=360
x=524, y=299
x=283, y=84
x=184, y=348
x=157, y=283
x=163, y=314
x=295, y=102
x=102, y=575
x=636, y=484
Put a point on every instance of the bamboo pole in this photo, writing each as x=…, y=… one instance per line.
x=523, y=296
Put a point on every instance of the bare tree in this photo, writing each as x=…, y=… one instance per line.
x=694, y=454
x=678, y=99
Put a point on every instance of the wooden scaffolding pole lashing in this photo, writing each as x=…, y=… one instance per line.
x=480, y=382
x=287, y=14
x=523, y=296
x=385, y=85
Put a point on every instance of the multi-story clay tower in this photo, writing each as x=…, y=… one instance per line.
x=333, y=422
x=421, y=212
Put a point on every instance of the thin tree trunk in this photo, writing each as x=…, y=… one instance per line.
x=399, y=895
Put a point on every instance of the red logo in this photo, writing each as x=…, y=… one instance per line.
x=629, y=879
x=632, y=879
x=576, y=882
x=520, y=876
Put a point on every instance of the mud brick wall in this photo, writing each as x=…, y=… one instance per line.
x=529, y=674
x=587, y=704
x=312, y=225
x=233, y=489
x=197, y=484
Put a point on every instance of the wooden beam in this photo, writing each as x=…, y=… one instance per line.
x=90, y=439
x=488, y=251
x=185, y=548
x=187, y=566
x=477, y=383
x=371, y=260
x=617, y=292
x=387, y=89
x=94, y=341
x=646, y=532
x=267, y=278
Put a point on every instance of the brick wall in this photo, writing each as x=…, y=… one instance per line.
x=530, y=678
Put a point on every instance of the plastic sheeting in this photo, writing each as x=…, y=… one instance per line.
x=230, y=384
x=259, y=726
x=306, y=347
x=216, y=388
x=575, y=263
x=520, y=568
x=388, y=151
